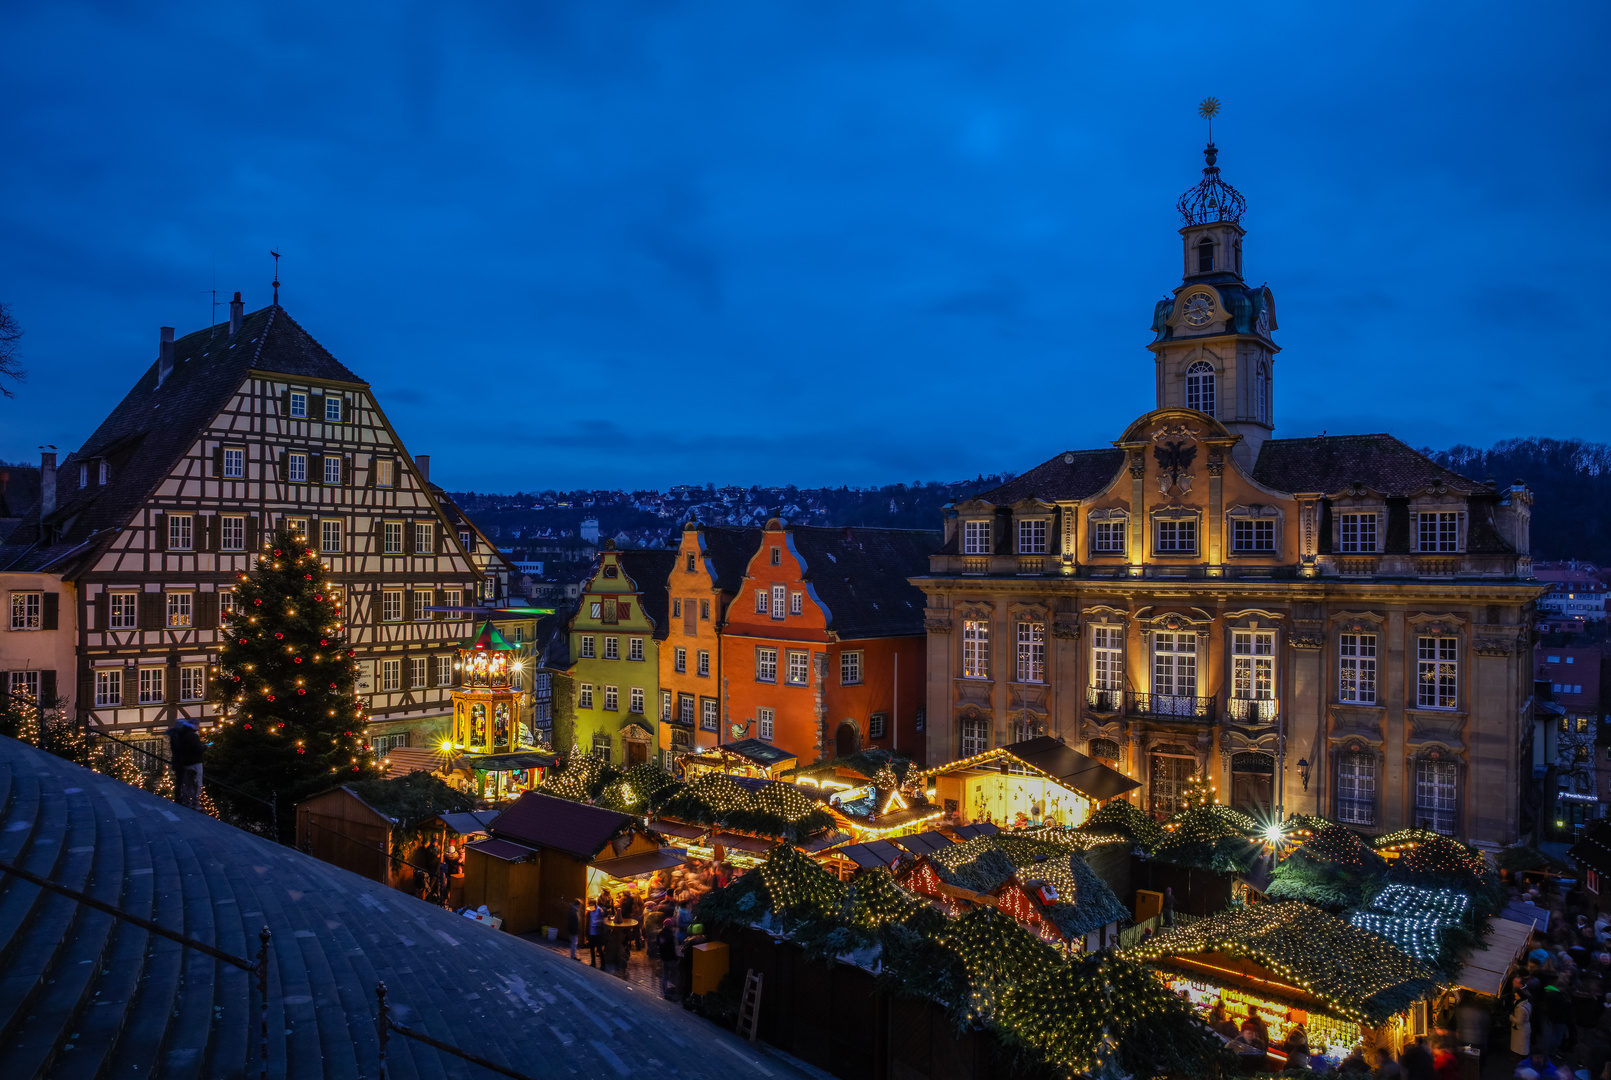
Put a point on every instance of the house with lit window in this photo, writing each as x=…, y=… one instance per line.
x=38, y=639
x=615, y=639
x=233, y=432
x=823, y=647
x=708, y=574
x=1331, y=624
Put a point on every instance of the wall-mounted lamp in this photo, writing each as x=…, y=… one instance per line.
x=1303, y=772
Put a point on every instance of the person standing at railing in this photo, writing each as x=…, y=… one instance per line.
x=185, y=751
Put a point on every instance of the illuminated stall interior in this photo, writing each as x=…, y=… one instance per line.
x=1294, y=964
x=1040, y=781
x=745, y=757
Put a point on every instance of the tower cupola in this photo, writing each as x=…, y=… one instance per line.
x=1213, y=343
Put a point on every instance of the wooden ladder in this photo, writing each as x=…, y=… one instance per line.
x=749, y=1013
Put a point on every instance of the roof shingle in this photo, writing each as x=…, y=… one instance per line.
x=861, y=576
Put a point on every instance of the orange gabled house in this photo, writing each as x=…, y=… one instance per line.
x=823, y=648
x=708, y=573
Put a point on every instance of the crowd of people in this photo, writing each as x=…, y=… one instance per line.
x=1556, y=1002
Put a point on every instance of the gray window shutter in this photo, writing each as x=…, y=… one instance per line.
x=441, y=598
x=408, y=604
x=47, y=686
x=315, y=406
x=346, y=470
x=152, y=615
x=315, y=467
x=218, y=461
x=51, y=613
x=131, y=686
x=160, y=523
x=285, y=403
x=103, y=612
x=207, y=610
x=251, y=532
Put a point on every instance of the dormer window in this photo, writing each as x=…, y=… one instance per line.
x=1032, y=536
x=83, y=475
x=1200, y=387
x=1438, y=531
x=1205, y=255
x=1357, y=534
x=976, y=538
x=106, y=472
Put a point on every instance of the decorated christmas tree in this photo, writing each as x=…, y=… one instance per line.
x=1196, y=792
x=286, y=685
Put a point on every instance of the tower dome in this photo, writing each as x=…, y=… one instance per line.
x=1212, y=200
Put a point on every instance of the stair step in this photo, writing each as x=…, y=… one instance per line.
x=150, y=1010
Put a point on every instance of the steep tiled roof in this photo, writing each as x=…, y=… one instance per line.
x=649, y=570
x=729, y=551
x=87, y=995
x=152, y=427
x=1329, y=463
x=861, y=575
x=544, y=821
x=1087, y=473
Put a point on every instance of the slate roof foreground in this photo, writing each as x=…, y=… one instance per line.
x=82, y=994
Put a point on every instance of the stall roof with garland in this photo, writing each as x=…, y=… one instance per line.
x=1348, y=971
x=1057, y=762
x=986, y=863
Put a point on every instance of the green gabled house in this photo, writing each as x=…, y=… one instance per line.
x=615, y=641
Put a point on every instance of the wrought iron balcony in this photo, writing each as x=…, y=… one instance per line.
x=1104, y=701
x=1199, y=710
x=1252, y=710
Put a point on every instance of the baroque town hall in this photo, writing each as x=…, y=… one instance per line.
x=1332, y=625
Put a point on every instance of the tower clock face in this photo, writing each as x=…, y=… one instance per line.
x=1199, y=309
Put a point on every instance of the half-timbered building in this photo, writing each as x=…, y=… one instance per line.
x=235, y=431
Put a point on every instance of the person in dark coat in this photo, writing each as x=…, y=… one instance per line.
x=595, y=932
x=185, y=752
x=666, y=943
x=573, y=926
x=1168, y=912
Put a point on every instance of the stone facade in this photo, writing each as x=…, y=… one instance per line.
x=1331, y=625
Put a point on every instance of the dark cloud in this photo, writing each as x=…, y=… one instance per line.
x=642, y=242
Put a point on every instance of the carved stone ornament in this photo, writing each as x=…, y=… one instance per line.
x=1174, y=463
x=1216, y=464
x=1436, y=629
x=1176, y=432
x=1493, y=647
x=1306, y=641
x=1065, y=628
x=1173, y=623
x=937, y=626
x=1138, y=466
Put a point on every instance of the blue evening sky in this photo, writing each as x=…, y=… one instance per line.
x=633, y=244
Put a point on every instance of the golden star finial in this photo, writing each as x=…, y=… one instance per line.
x=1209, y=108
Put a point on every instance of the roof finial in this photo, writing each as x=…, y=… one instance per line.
x=1208, y=109
x=276, y=255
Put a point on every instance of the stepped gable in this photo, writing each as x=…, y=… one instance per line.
x=730, y=551
x=1088, y=473
x=85, y=995
x=1329, y=463
x=148, y=432
x=649, y=571
x=861, y=576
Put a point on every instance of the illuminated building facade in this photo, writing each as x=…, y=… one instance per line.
x=708, y=573
x=1331, y=624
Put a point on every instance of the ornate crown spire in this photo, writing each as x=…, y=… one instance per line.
x=1212, y=199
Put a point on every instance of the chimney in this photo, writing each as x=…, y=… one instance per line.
x=165, y=355
x=422, y=462
x=236, y=313
x=47, y=483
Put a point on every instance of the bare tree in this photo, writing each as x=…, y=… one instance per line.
x=10, y=367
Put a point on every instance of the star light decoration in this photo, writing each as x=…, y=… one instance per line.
x=1415, y=918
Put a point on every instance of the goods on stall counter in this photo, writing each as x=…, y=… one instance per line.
x=1328, y=1038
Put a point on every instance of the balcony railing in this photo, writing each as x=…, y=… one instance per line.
x=1252, y=710
x=1170, y=707
x=1104, y=701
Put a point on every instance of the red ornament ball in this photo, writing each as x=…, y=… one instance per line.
x=277, y=553
x=300, y=691
x=258, y=601
x=332, y=686
x=299, y=659
x=279, y=637
x=322, y=641
x=309, y=577
x=271, y=698
x=243, y=641
x=316, y=596
x=351, y=653
x=248, y=727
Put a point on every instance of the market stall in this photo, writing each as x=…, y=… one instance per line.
x=745, y=757
x=1290, y=964
x=1033, y=782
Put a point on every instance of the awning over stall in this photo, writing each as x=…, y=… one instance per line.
x=1485, y=968
x=470, y=822
x=631, y=866
x=502, y=849
x=873, y=853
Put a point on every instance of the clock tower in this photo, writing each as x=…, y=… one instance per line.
x=1212, y=342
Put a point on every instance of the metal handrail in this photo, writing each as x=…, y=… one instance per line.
x=259, y=967
x=1173, y=706
x=272, y=804
x=385, y=1025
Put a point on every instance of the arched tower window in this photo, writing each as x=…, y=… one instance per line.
x=1205, y=255
x=1200, y=387
x=1261, y=390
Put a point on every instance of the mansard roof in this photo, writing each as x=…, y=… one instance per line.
x=1076, y=474
x=861, y=574
x=1330, y=463
x=150, y=430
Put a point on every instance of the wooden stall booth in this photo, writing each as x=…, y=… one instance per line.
x=745, y=757
x=539, y=856
x=340, y=828
x=1039, y=781
x=1290, y=964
